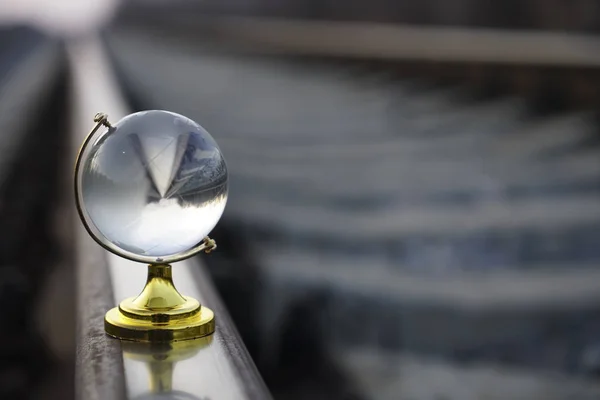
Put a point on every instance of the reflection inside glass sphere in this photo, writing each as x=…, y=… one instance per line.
x=153, y=185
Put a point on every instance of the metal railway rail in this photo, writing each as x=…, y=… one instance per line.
x=543, y=55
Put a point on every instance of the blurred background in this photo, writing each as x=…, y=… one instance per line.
x=414, y=205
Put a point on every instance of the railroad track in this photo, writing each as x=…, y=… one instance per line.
x=420, y=207
x=521, y=47
x=400, y=196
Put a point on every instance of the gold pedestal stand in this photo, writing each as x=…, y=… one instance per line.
x=160, y=313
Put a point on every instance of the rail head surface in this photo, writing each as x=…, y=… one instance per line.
x=218, y=368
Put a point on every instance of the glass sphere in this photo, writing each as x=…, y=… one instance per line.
x=151, y=187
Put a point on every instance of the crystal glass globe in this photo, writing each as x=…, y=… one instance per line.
x=152, y=186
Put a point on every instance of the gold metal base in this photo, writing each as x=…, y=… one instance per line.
x=160, y=313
